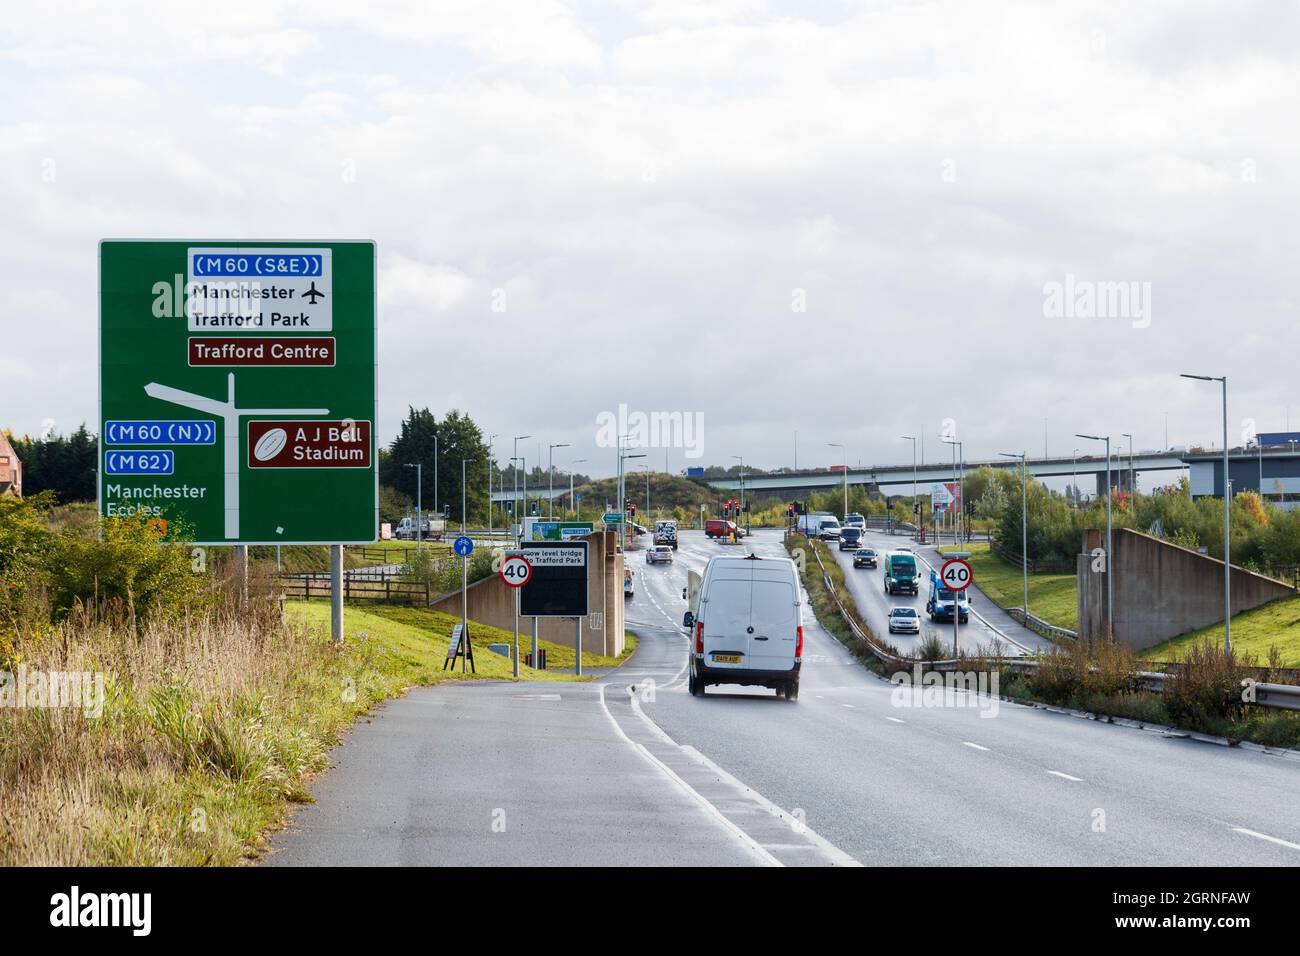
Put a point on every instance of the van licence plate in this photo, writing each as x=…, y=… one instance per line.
x=726, y=658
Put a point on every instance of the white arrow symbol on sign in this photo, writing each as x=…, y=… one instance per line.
x=229, y=415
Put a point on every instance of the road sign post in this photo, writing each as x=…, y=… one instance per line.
x=199, y=344
x=515, y=571
x=955, y=574
x=558, y=585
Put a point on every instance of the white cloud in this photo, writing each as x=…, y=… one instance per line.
x=662, y=176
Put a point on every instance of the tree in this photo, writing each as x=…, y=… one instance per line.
x=414, y=445
x=456, y=437
x=64, y=466
x=393, y=504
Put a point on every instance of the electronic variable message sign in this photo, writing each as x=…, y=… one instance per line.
x=238, y=389
x=557, y=585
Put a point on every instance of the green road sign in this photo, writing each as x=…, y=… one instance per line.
x=237, y=389
x=544, y=529
x=613, y=517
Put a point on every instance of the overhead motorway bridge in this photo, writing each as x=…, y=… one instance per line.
x=928, y=474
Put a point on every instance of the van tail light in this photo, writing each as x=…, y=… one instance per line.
x=798, y=641
x=699, y=637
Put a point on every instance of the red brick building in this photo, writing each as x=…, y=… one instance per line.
x=11, y=469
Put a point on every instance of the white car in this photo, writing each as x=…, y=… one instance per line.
x=659, y=554
x=748, y=628
x=904, y=620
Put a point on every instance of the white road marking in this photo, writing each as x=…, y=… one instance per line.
x=766, y=858
x=836, y=855
x=1065, y=776
x=1265, y=836
x=896, y=720
x=850, y=706
x=967, y=743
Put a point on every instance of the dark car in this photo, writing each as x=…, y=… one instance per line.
x=850, y=538
x=864, y=558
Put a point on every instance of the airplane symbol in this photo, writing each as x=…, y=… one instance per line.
x=313, y=293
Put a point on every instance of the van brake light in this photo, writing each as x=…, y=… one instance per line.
x=699, y=637
x=798, y=643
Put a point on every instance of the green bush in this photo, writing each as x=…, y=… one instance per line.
x=129, y=566
x=25, y=540
x=1206, y=685
x=931, y=648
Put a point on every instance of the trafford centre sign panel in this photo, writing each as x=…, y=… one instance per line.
x=237, y=389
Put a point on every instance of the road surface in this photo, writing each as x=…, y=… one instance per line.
x=595, y=773
x=988, y=628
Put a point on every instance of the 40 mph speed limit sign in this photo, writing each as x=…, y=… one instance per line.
x=956, y=575
x=515, y=570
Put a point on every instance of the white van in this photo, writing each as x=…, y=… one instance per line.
x=810, y=524
x=748, y=626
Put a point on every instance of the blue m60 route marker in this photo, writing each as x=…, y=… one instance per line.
x=463, y=546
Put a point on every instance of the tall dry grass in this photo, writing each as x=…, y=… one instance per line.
x=209, y=721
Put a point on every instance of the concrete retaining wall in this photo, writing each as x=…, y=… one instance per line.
x=491, y=601
x=1161, y=589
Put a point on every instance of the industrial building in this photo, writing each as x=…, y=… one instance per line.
x=1269, y=465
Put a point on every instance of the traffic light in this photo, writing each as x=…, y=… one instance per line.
x=446, y=511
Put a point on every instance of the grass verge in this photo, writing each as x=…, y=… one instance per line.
x=823, y=603
x=1275, y=624
x=1053, y=597
x=209, y=729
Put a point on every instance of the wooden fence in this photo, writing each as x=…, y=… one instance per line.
x=387, y=588
x=382, y=555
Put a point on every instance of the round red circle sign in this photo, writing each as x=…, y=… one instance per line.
x=515, y=570
x=956, y=574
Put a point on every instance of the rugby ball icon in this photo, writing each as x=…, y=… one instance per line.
x=270, y=444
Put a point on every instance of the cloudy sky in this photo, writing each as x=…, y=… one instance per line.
x=850, y=220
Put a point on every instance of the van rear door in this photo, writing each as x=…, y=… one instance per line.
x=774, y=616
x=726, y=622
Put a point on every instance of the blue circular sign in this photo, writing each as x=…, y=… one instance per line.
x=464, y=546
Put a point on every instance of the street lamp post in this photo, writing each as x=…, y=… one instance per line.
x=846, y=474
x=623, y=457
x=550, y=478
x=518, y=515
x=741, y=459
x=1259, y=448
x=1227, y=502
x=573, y=503
x=959, y=476
x=916, y=510
x=1024, y=524
x=419, y=511
x=1074, y=476
x=490, y=463
x=1110, y=578
x=1132, y=482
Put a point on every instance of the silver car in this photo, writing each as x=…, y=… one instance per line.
x=660, y=553
x=904, y=620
